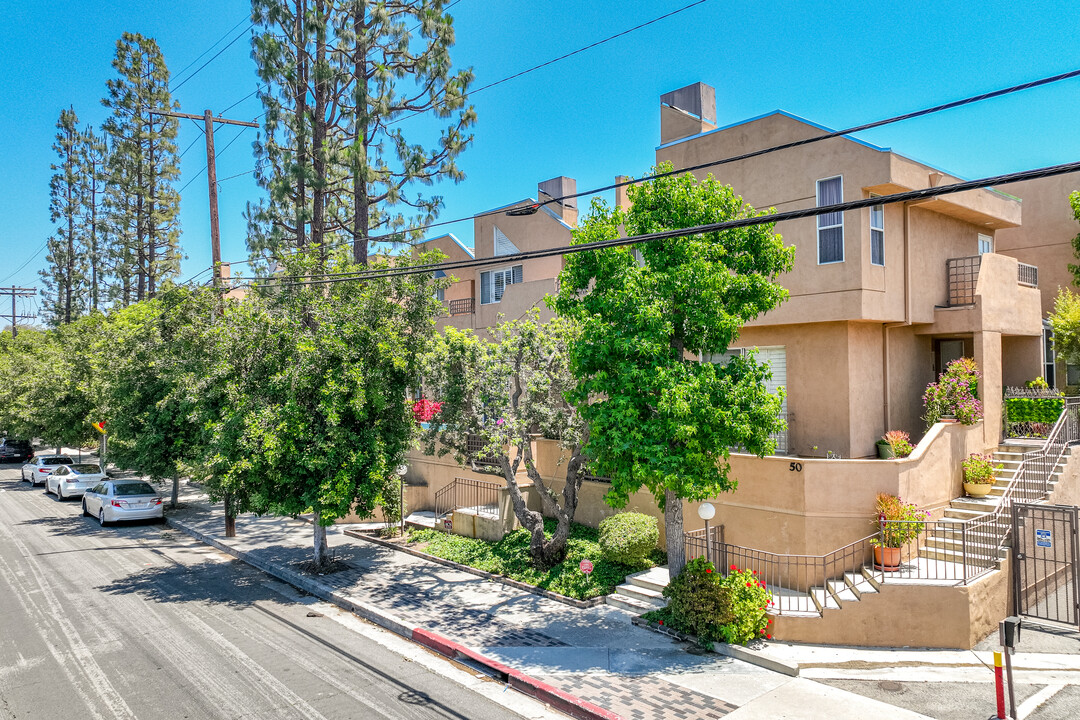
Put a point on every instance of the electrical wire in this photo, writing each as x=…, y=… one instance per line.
x=253, y=93
x=764, y=219
x=28, y=261
x=228, y=32
x=775, y=148
x=214, y=57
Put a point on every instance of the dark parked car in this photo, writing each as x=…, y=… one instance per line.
x=15, y=450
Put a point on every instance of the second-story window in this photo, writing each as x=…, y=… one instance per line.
x=494, y=282
x=877, y=234
x=830, y=225
x=986, y=244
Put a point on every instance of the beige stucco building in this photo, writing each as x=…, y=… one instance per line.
x=880, y=299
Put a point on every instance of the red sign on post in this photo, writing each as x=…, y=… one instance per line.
x=586, y=567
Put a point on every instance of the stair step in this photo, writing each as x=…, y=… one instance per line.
x=823, y=599
x=624, y=602
x=956, y=545
x=980, y=505
x=655, y=579
x=961, y=514
x=842, y=592
x=956, y=556
x=859, y=584
x=643, y=594
x=872, y=577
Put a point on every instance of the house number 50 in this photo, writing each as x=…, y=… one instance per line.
x=795, y=467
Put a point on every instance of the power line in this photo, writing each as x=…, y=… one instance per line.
x=253, y=92
x=817, y=138
x=764, y=219
x=570, y=54
x=227, y=33
x=28, y=261
x=214, y=57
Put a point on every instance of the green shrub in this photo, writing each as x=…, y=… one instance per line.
x=698, y=602
x=1033, y=410
x=749, y=600
x=628, y=538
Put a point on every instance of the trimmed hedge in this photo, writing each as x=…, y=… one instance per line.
x=1034, y=410
x=698, y=602
x=629, y=538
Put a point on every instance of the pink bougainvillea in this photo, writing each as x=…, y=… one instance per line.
x=423, y=410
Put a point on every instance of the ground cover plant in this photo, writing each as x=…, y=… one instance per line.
x=510, y=557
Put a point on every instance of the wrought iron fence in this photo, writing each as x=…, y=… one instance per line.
x=1027, y=275
x=475, y=446
x=799, y=584
x=962, y=276
x=475, y=496
x=464, y=306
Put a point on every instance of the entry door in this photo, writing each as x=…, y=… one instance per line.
x=776, y=358
x=949, y=350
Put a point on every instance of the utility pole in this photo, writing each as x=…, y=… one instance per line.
x=215, y=237
x=17, y=292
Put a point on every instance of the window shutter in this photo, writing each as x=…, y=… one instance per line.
x=500, y=285
x=517, y=275
x=503, y=246
x=486, y=287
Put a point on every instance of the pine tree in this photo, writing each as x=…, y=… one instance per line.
x=338, y=76
x=65, y=274
x=93, y=158
x=142, y=168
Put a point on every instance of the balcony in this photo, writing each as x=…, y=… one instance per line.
x=464, y=306
x=962, y=276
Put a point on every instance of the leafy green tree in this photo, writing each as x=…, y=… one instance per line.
x=1065, y=322
x=339, y=75
x=660, y=418
x=142, y=167
x=319, y=421
x=1074, y=202
x=65, y=275
x=148, y=357
x=505, y=391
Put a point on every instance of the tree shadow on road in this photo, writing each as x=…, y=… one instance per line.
x=228, y=583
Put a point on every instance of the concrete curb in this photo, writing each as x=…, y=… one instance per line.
x=517, y=584
x=562, y=701
x=557, y=699
x=749, y=655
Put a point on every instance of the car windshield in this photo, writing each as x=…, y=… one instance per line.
x=135, y=489
x=86, y=469
x=56, y=461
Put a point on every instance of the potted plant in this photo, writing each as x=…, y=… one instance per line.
x=953, y=398
x=900, y=523
x=895, y=443
x=979, y=474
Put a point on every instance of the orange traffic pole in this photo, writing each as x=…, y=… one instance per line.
x=999, y=687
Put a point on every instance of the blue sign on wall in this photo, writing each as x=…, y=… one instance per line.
x=1042, y=538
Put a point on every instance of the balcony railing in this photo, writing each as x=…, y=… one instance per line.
x=1027, y=275
x=464, y=306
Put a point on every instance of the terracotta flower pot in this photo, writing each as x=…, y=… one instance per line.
x=886, y=558
x=977, y=490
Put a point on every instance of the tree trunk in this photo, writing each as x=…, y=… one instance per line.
x=300, y=98
x=321, y=551
x=175, y=492
x=230, y=517
x=673, y=528
x=361, y=203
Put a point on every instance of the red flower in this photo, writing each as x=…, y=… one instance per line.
x=770, y=622
x=708, y=570
x=768, y=637
x=755, y=572
x=661, y=622
x=734, y=568
x=747, y=584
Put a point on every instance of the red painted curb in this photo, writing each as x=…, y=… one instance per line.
x=562, y=701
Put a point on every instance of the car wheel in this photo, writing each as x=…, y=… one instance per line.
x=101, y=517
x=60, y=492
x=85, y=512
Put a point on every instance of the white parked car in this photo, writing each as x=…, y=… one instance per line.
x=73, y=480
x=115, y=500
x=37, y=470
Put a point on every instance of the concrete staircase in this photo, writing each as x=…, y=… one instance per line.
x=642, y=592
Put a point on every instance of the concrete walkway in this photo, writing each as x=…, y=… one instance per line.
x=595, y=654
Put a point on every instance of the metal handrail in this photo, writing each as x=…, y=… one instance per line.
x=481, y=496
x=1027, y=275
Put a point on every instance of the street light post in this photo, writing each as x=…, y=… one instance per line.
x=706, y=511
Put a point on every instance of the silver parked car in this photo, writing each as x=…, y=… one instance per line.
x=73, y=480
x=38, y=469
x=115, y=500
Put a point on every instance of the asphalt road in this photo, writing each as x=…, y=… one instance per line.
x=139, y=621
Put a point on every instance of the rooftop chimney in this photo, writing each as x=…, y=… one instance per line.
x=557, y=188
x=687, y=111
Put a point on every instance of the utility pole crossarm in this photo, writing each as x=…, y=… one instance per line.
x=223, y=121
x=17, y=292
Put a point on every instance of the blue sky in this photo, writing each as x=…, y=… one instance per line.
x=591, y=117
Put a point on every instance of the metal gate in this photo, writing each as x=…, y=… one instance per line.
x=1046, y=562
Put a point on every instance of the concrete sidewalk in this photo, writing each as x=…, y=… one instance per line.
x=595, y=654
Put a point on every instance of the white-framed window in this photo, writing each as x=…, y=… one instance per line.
x=503, y=246
x=494, y=282
x=830, y=191
x=440, y=294
x=986, y=244
x=877, y=234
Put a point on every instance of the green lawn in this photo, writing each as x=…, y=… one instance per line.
x=510, y=557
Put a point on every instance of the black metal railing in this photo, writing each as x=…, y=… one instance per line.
x=798, y=583
x=1027, y=275
x=476, y=449
x=479, y=497
x=464, y=306
x=962, y=275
